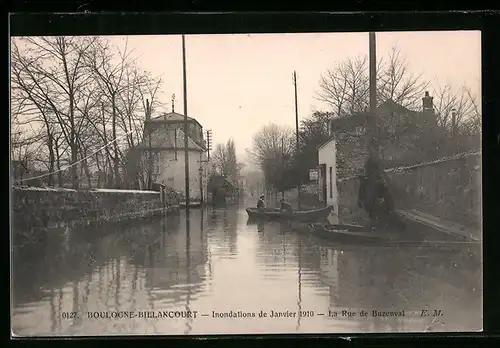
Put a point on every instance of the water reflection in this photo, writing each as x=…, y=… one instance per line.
x=213, y=260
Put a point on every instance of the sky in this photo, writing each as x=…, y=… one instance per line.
x=238, y=83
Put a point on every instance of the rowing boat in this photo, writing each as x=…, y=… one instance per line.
x=301, y=215
x=345, y=233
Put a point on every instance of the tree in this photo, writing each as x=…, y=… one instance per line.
x=225, y=161
x=345, y=87
x=458, y=115
x=313, y=131
x=273, y=149
x=110, y=78
x=84, y=99
x=50, y=75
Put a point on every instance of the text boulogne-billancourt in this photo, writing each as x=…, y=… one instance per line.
x=142, y=314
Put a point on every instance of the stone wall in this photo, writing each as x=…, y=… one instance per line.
x=43, y=208
x=449, y=188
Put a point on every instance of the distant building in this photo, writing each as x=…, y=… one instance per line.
x=221, y=190
x=162, y=153
x=405, y=136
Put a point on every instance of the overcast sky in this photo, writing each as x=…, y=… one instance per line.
x=237, y=83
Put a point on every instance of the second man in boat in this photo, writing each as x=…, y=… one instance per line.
x=285, y=206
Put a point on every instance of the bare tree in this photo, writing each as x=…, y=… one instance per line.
x=398, y=83
x=219, y=159
x=51, y=76
x=110, y=76
x=88, y=98
x=225, y=162
x=273, y=147
x=458, y=116
x=345, y=87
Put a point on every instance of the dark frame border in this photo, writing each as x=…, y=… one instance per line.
x=254, y=22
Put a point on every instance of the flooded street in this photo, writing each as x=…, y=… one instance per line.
x=215, y=274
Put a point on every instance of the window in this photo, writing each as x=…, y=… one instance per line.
x=331, y=182
x=360, y=130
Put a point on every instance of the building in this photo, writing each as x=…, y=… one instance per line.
x=327, y=176
x=220, y=190
x=405, y=136
x=163, y=150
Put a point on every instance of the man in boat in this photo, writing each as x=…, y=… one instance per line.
x=285, y=206
x=260, y=203
x=374, y=195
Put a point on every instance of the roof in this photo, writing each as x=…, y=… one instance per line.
x=360, y=118
x=327, y=141
x=160, y=139
x=172, y=117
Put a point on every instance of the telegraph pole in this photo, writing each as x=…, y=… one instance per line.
x=186, y=128
x=282, y=167
x=297, y=131
x=209, y=143
x=372, y=123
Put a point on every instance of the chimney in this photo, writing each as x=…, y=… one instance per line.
x=330, y=127
x=148, y=110
x=427, y=102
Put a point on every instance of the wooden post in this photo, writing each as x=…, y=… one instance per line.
x=372, y=123
x=186, y=129
x=297, y=132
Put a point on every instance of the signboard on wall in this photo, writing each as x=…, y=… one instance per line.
x=313, y=174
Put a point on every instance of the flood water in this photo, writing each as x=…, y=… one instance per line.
x=229, y=273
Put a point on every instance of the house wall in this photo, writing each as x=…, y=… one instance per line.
x=170, y=172
x=327, y=154
x=449, y=188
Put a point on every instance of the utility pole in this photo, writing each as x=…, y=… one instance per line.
x=209, y=143
x=282, y=167
x=372, y=123
x=186, y=125
x=299, y=184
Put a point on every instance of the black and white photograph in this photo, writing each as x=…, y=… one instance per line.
x=212, y=184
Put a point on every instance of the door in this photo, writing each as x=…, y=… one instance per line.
x=322, y=175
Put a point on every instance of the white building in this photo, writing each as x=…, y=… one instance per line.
x=163, y=154
x=327, y=176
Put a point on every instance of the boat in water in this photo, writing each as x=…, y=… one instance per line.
x=300, y=215
x=346, y=233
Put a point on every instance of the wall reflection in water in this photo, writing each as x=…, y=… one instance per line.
x=214, y=260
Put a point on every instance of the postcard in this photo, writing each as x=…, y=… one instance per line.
x=246, y=184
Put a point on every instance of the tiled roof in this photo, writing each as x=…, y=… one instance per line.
x=171, y=116
x=160, y=138
x=360, y=118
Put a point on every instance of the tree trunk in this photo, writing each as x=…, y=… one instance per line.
x=109, y=176
x=50, y=145
x=98, y=164
x=58, y=163
x=115, y=144
x=74, y=166
x=87, y=173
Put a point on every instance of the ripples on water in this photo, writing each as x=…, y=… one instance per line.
x=215, y=261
